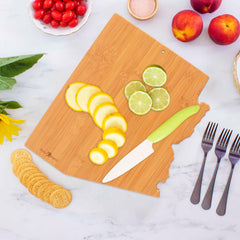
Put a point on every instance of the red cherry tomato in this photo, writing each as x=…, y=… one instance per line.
x=36, y=4
x=39, y=14
x=63, y=24
x=47, y=18
x=67, y=16
x=54, y=23
x=56, y=15
x=59, y=6
x=65, y=0
x=74, y=14
x=70, y=5
x=47, y=4
x=81, y=9
x=73, y=23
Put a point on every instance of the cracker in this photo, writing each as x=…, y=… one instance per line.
x=18, y=163
x=60, y=198
x=44, y=187
x=24, y=166
x=27, y=174
x=37, y=185
x=33, y=181
x=20, y=153
x=49, y=191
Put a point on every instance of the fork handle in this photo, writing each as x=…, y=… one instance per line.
x=221, y=209
x=207, y=200
x=195, y=198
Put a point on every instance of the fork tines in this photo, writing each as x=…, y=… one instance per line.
x=210, y=131
x=235, y=145
x=224, y=138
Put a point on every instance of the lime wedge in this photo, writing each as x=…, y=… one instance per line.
x=140, y=103
x=160, y=98
x=154, y=76
x=133, y=87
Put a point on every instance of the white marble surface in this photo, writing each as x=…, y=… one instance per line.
x=99, y=212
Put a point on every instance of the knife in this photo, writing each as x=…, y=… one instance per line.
x=145, y=149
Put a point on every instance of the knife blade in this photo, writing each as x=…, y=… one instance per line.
x=145, y=149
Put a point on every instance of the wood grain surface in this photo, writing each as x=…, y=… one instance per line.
x=120, y=54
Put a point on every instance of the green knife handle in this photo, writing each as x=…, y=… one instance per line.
x=172, y=123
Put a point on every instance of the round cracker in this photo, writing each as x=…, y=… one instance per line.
x=27, y=174
x=20, y=153
x=49, y=191
x=33, y=181
x=60, y=198
x=37, y=185
x=24, y=166
x=18, y=163
x=43, y=188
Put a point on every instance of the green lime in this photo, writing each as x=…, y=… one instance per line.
x=133, y=87
x=160, y=98
x=154, y=76
x=140, y=103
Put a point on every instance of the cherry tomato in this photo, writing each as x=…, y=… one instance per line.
x=63, y=24
x=74, y=14
x=39, y=14
x=47, y=4
x=65, y=0
x=47, y=18
x=70, y=5
x=59, y=6
x=56, y=15
x=54, y=23
x=73, y=23
x=36, y=5
x=67, y=16
x=81, y=9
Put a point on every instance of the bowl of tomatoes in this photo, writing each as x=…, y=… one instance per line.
x=59, y=17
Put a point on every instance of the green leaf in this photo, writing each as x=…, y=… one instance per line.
x=3, y=111
x=10, y=104
x=12, y=66
x=6, y=83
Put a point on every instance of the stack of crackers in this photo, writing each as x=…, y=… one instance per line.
x=36, y=182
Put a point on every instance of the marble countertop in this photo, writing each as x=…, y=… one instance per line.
x=99, y=212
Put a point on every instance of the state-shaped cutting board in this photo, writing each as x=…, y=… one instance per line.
x=120, y=54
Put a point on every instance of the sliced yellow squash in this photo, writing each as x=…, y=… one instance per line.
x=116, y=135
x=98, y=156
x=115, y=120
x=70, y=95
x=83, y=95
x=102, y=111
x=109, y=147
x=97, y=99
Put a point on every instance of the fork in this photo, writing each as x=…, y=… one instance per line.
x=207, y=143
x=220, y=151
x=234, y=156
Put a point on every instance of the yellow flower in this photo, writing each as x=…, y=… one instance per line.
x=7, y=128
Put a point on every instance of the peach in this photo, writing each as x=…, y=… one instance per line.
x=206, y=6
x=187, y=25
x=224, y=29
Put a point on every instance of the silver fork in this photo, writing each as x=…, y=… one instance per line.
x=207, y=143
x=234, y=156
x=220, y=151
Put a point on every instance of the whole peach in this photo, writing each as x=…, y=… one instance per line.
x=187, y=25
x=206, y=6
x=224, y=29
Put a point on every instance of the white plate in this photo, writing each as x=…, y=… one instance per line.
x=60, y=31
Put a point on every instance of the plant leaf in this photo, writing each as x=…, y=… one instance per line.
x=3, y=111
x=10, y=104
x=6, y=83
x=12, y=66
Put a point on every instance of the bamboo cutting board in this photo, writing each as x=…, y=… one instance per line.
x=64, y=138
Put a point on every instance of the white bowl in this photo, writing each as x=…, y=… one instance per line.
x=60, y=31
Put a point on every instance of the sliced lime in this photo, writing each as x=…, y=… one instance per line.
x=133, y=87
x=140, y=103
x=160, y=98
x=154, y=76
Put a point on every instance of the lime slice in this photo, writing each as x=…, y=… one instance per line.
x=154, y=76
x=140, y=103
x=160, y=98
x=133, y=87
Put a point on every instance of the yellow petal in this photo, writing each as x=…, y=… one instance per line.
x=16, y=120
